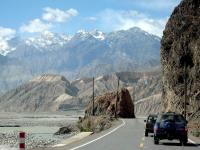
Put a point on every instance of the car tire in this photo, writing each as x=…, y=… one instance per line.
x=156, y=140
x=183, y=142
x=146, y=133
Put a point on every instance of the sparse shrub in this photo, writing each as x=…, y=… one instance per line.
x=196, y=133
x=94, y=123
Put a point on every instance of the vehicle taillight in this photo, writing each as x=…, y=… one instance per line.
x=183, y=129
x=186, y=129
x=156, y=128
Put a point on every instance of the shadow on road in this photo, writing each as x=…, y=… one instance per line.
x=178, y=144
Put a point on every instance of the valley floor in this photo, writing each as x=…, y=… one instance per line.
x=39, y=128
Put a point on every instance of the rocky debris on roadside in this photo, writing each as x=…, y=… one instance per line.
x=94, y=123
x=105, y=105
x=67, y=130
x=64, y=130
x=180, y=58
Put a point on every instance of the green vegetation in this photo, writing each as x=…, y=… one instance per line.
x=194, y=128
x=196, y=133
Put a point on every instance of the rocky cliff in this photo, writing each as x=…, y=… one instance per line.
x=180, y=58
x=106, y=105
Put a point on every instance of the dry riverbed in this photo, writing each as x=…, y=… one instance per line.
x=39, y=128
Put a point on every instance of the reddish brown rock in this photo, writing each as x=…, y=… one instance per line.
x=105, y=105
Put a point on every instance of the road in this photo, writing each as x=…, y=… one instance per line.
x=129, y=135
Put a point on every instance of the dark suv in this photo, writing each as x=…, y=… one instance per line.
x=171, y=126
x=150, y=124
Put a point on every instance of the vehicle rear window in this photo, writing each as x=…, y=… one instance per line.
x=153, y=118
x=179, y=118
x=176, y=118
x=167, y=117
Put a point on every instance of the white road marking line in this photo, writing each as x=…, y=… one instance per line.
x=59, y=145
x=100, y=136
x=193, y=142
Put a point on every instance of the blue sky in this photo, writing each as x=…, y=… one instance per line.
x=28, y=17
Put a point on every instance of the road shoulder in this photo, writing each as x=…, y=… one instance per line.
x=194, y=140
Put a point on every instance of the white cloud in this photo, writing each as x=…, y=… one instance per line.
x=91, y=18
x=121, y=19
x=57, y=15
x=5, y=35
x=35, y=26
x=157, y=4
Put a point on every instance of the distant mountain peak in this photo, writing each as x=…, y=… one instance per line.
x=136, y=29
x=49, y=78
x=95, y=34
x=82, y=31
x=47, y=39
x=5, y=48
x=98, y=34
x=85, y=54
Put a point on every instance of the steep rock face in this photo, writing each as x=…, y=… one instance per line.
x=105, y=105
x=180, y=48
x=43, y=93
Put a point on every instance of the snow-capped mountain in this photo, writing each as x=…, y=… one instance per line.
x=51, y=41
x=95, y=34
x=92, y=53
x=5, y=48
x=98, y=34
x=47, y=40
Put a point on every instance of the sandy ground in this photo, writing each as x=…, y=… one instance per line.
x=39, y=128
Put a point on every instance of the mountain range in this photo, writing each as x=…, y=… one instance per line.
x=50, y=93
x=85, y=54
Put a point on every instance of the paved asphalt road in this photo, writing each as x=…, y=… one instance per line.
x=128, y=136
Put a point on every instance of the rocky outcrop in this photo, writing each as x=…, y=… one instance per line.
x=43, y=93
x=106, y=105
x=180, y=58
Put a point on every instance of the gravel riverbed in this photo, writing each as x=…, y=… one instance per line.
x=39, y=128
x=32, y=140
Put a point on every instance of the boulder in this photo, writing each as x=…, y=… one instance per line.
x=106, y=104
x=64, y=130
